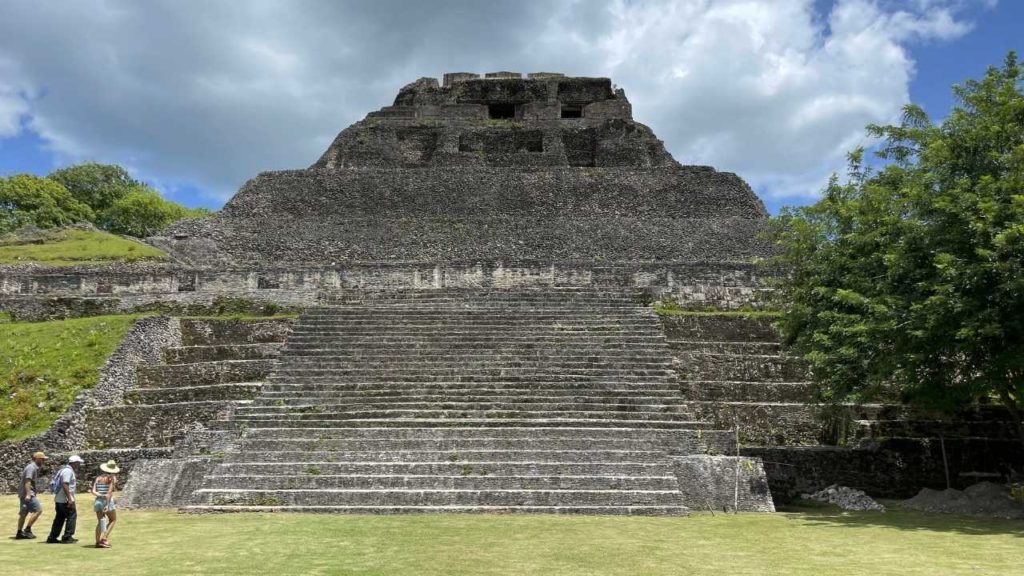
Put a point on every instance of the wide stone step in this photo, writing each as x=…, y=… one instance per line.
x=313, y=479
x=399, y=497
x=472, y=315
x=234, y=391
x=517, y=315
x=668, y=413
x=388, y=372
x=372, y=354
x=748, y=391
x=221, y=372
x=678, y=443
x=387, y=510
x=711, y=347
x=523, y=432
x=343, y=407
x=252, y=453
x=731, y=367
x=497, y=386
x=446, y=467
x=470, y=341
x=293, y=365
x=207, y=332
x=192, y=354
x=472, y=422
x=490, y=329
x=149, y=425
x=719, y=328
x=296, y=399
x=413, y=380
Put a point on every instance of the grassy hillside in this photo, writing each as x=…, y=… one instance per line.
x=72, y=246
x=44, y=365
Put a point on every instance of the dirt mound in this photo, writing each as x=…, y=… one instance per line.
x=981, y=499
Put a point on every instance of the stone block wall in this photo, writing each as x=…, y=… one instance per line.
x=36, y=294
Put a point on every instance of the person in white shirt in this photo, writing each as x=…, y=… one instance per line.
x=64, y=499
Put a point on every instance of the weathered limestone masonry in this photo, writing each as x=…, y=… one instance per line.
x=736, y=376
x=558, y=401
x=519, y=188
x=502, y=169
x=141, y=346
x=35, y=293
x=160, y=395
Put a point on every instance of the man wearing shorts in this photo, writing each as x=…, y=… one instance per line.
x=29, y=509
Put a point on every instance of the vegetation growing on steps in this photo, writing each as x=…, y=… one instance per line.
x=908, y=279
x=45, y=365
x=809, y=542
x=71, y=247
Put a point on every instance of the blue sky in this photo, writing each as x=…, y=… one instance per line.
x=195, y=96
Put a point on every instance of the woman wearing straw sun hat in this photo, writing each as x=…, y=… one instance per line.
x=106, y=515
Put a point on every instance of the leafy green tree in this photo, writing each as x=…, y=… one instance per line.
x=908, y=279
x=97, y=185
x=27, y=200
x=143, y=211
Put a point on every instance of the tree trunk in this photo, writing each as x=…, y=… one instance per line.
x=1015, y=412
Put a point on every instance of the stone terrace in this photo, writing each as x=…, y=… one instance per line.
x=472, y=401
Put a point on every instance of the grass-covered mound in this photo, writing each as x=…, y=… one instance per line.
x=811, y=543
x=44, y=365
x=72, y=246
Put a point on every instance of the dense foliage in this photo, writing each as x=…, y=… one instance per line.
x=98, y=185
x=102, y=194
x=142, y=212
x=909, y=279
x=33, y=201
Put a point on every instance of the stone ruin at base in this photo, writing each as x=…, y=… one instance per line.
x=475, y=267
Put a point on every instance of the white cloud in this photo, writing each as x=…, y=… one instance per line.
x=205, y=93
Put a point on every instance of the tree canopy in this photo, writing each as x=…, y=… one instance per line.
x=142, y=211
x=27, y=200
x=908, y=279
x=103, y=194
x=97, y=185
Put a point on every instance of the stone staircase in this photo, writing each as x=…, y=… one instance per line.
x=734, y=373
x=559, y=401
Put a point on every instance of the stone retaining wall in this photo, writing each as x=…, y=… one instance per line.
x=142, y=345
x=892, y=468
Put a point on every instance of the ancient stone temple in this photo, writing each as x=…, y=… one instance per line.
x=479, y=389
x=472, y=271
x=497, y=169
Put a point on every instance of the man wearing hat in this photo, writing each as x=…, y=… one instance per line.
x=67, y=513
x=29, y=507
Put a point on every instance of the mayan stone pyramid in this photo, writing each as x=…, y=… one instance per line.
x=500, y=168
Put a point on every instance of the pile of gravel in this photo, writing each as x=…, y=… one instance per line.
x=845, y=498
x=981, y=499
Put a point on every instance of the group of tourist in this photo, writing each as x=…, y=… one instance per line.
x=64, y=485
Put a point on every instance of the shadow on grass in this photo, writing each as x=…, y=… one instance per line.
x=908, y=520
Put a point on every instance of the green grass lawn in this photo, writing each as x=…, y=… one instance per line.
x=72, y=246
x=44, y=365
x=818, y=543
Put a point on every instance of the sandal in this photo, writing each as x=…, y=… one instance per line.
x=103, y=544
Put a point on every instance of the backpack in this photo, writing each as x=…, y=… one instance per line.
x=56, y=483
